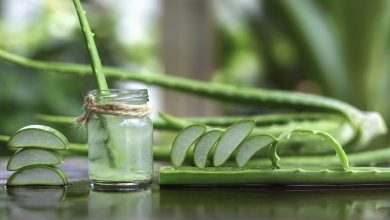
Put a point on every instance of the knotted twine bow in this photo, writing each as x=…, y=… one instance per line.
x=90, y=107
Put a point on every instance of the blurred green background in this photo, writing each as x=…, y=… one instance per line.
x=333, y=48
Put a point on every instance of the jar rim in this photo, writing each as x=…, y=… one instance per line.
x=121, y=95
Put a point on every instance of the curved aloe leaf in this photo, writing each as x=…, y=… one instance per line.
x=231, y=139
x=183, y=142
x=37, y=175
x=324, y=136
x=38, y=136
x=33, y=156
x=203, y=147
x=250, y=146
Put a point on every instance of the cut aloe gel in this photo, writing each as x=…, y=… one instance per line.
x=183, y=142
x=250, y=146
x=33, y=156
x=37, y=175
x=203, y=147
x=231, y=139
x=38, y=136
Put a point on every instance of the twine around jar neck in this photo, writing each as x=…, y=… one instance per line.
x=119, y=109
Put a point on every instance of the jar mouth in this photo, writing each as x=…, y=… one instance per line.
x=121, y=95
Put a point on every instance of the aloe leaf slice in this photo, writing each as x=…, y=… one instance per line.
x=33, y=156
x=38, y=136
x=37, y=175
x=231, y=139
x=203, y=147
x=183, y=142
x=250, y=146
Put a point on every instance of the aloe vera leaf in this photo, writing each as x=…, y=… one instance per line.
x=250, y=146
x=37, y=175
x=96, y=65
x=38, y=136
x=183, y=141
x=250, y=96
x=218, y=121
x=33, y=156
x=288, y=176
x=203, y=147
x=231, y=139
x=173, y=122
x=108, y=144
x=269, y=119
x=325, y=136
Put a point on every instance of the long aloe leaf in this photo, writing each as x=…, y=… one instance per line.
x=203, y=147
x=231, y=139
x=183, y=141
x=250, y=146
x=33, y=156
x=287, y=176
x=38, y=136
x=37, y=175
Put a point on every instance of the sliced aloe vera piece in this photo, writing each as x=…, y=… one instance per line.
x=38, y=136
x=204, y=145
x=183, y=142
x=231, y=139
x=33, y=156
x=37, y=175
x=250, y=146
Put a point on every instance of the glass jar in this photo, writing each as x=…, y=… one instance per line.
x=120, y=147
